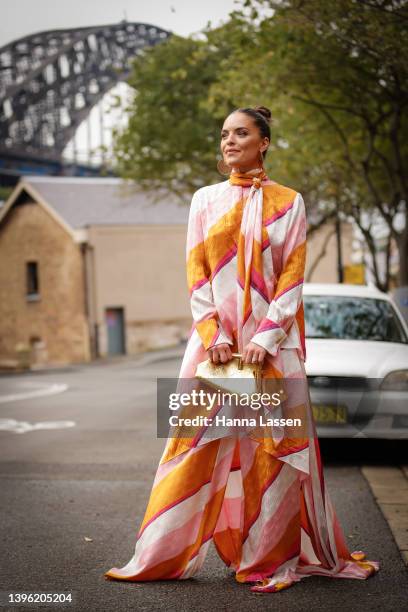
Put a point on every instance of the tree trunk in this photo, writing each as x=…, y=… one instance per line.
x=402, y=244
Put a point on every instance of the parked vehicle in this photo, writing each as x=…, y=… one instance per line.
x=356, y=361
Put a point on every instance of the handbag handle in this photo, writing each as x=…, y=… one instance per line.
x=241, y=364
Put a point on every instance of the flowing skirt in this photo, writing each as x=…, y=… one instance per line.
x=261, y=500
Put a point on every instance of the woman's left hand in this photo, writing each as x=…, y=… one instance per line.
x=253, y=353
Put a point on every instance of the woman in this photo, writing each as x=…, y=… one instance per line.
x=262, y=500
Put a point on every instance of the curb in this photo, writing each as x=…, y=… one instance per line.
x=137, y=358
x=389, y=486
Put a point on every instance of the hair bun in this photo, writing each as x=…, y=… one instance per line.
x=264, y=111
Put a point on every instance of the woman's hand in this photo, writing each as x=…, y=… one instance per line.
x=221, y=353
x=253, y=353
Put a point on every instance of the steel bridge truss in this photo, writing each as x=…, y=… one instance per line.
x=50, y=81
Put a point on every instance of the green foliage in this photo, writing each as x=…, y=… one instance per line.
x=348, y=62
x=5, y=192
x=334, y=75
x=171, y=139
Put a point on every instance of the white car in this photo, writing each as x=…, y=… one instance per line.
x=356, y=361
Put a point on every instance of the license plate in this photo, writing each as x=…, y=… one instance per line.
x=329, y=414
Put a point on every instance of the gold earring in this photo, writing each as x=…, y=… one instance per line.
x=223, y=168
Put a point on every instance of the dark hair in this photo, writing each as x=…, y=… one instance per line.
x=262, y=118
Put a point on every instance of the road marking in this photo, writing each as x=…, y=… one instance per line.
x=24, y=426
x=48, y=390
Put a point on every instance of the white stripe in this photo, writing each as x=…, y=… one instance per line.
x=195, y=564
x=182, y=512
x=271, y=500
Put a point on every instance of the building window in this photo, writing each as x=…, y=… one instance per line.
x=32, y=280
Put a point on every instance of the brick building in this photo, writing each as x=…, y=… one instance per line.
x=90, y=267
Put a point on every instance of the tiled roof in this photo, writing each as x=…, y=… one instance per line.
x=107, y=201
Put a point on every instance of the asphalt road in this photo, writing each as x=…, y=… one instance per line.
x=75, y=482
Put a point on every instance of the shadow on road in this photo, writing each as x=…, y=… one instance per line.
x=364, y=451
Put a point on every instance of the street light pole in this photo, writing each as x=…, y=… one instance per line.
x=340, y=275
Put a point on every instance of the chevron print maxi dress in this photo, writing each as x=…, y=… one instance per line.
x=261, y=500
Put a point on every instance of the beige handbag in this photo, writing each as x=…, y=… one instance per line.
x=237, y=376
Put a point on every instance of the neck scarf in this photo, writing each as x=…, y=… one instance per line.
x=249, y=247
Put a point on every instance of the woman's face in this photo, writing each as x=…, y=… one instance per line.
x=241, y=142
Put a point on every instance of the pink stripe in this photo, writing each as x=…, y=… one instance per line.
x=210, y=415
x=219, y=466
x=207, y=316
x=227, y=257
x=198, y=284
x=266, y=325
x=295, y=284
x=268, y=572
x=260, y=293
x=247, y=315
x=203, y=541
x=263, y=490
x=248, y=247
x=240, y=283
x=350, y=569
x=172, y=505
x=278, y=214
x=288, y=452
x=230, y=516
x=259, y=285
x=271, y=530
x=172, y=544
x=165, y=468
x=175, y=541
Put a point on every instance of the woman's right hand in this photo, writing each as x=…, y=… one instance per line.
x=221, y=353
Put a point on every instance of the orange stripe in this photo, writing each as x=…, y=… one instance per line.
x=257, y=262
x=229, y=546
x=275, y=198
x=294, y=267
x=241, y=258
x=179, y=562
x=207, y=330
x=197, y=268
x=264, y=469
x=187, y=476
x=218, y=242
x=289, y=541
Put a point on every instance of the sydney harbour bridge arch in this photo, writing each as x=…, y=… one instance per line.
x=49, y=83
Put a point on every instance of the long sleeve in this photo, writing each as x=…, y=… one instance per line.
x=203, y=309
x=287, y=300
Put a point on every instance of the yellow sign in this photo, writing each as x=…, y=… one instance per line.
x=329, y=414
x=354, y=274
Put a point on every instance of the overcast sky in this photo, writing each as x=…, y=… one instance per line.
x=22, y=17
x=183, y=17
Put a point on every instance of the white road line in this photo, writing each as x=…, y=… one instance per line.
x=21, y=427
x=48, y=390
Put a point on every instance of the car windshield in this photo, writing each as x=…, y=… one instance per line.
x=351, y=318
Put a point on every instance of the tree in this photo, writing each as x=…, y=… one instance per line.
x=349, y=60
x=171, y=139
x=334, y=76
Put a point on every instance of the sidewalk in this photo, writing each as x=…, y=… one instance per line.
x=144, y=358
x=389, y=486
